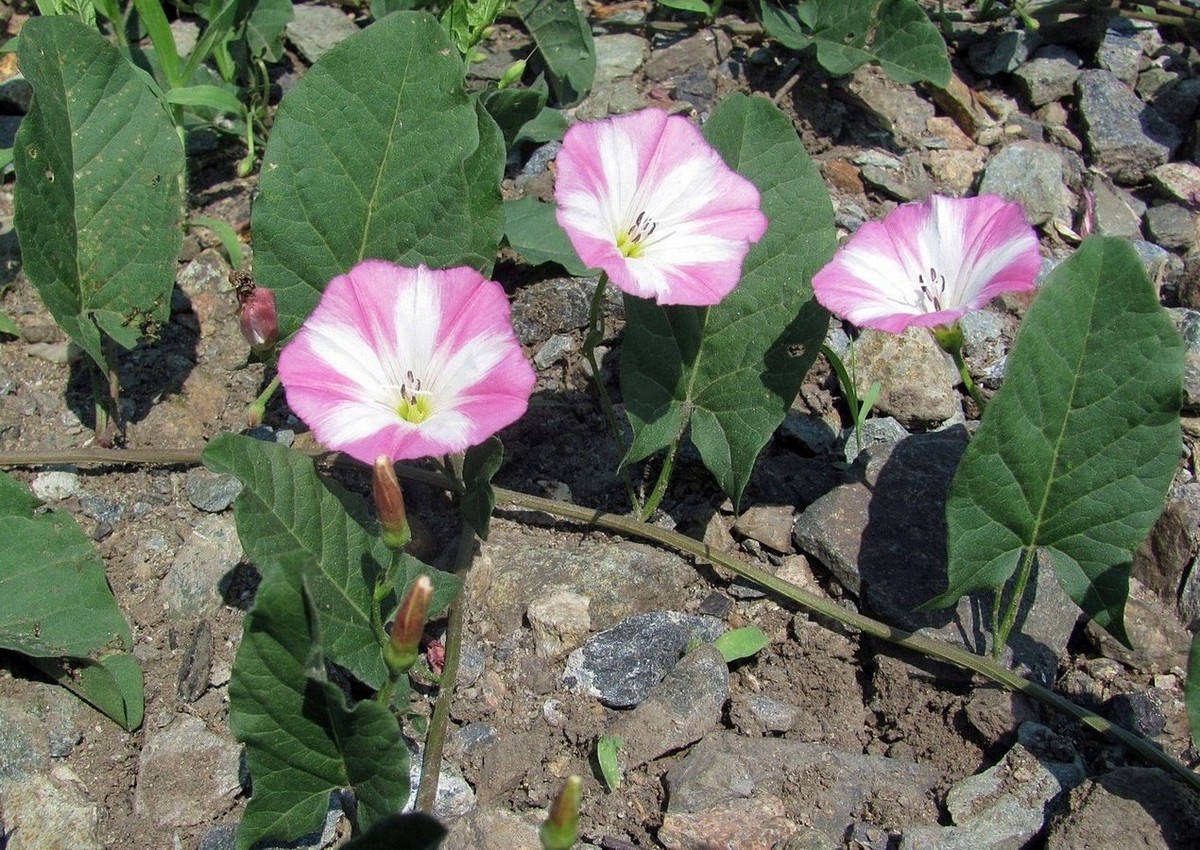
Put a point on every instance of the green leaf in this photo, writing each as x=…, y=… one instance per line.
x=533, y=232
x=8, y=326
x=731, y=371
x=564, y=38
x=154, y=19
x=698, y=6
x=1191, y=690
x=302, y=741
x=549, y=125
x=480, y=465
x=213, y=97
x=848, y=33
x=607, y=748
x=286, y=512
x=512, y=109
x=265, y=26
x=98, y=204
x=411, y=831
x=58, y=609
x=377, y=152
x=1076, y=450
x=741, y=643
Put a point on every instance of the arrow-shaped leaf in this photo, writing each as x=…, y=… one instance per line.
x=1077, y=449
x=732, y=371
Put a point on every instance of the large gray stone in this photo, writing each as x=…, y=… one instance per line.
x=315, y=30
x=1031, y=174
x=884, y=539
x=1116, y=212
x=620, y=666
x=917, y=383
x=618, y=578
x=897, y=108
x=1188, y=324
x=827, y=789
x=1172, y=226
x=1050, y=75
x=1126, y=138
x=192, y=586
x=679, y=710
x=51, y=812
x=1005, y=806
x=211, y=767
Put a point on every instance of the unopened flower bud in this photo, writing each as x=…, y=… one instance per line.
x=511, y=74
x=259, y=319
x=560, y=831
x=245, y=166
x=400, y=652
x=389, y=503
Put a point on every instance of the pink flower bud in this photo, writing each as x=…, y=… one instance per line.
x=260, y=321
x=389, y=502
x=400, y=652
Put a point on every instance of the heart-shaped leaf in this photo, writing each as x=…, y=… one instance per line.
x=1076, y=451
x=731, y=371
x=377, y=152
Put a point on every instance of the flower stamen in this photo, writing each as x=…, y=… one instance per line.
x=415, y=403
x=631, y=241
x=934, y=291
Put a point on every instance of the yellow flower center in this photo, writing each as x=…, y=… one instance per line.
x=415, y=405
x=631, y=242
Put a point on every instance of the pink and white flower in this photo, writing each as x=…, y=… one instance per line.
x=645, y=198
x=928, y=263
x=406, y=363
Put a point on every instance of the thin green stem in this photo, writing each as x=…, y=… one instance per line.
x=660, y=486
x=951, y=341
x=435, y=737
x=1000, y=636
x=383, y=587
x=634, y=528
x=258, y=408
x=595, y=335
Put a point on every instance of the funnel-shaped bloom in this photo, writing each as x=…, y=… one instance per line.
x=406, y=363
x=926, y=264
x=645, y=198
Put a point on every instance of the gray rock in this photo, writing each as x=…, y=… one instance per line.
x=51, y=812
x=1120, y=55
x=221, y=837
x=1005, y=806
x=1177, y=102
x=495, y=827
x=23, y=743
x=1140, y=712
x=618, y=57
x=918, y=385
x=618, y=579
x=1171, y=226
x=1116, y=211
x=826, y=789
x=560, y=622
x=196, y=664
x=895, y=516
x=315, y=30
x=1178, y=181
x=557, y=306
x=897, y=108
x=1162, y=559
x=15, y=95
x=770, y=525
x=985, y=344
x=454, y=797
x=101, y=508
x=1187, y=322
x=1031, y=174
x=1126, y=138
x=192, y=587
x=55, y=486
x=211, y=491
x=680, y=710
x=755, y=714
x=208, y=273
x=1156, y=260
x=1160, y=641
x=700, y=51
x=212, y=767
x=1002, y=53
x=621, y=665
x=554, y=349
x=1131, y=806
x=1050, y=75
x=876, y=431
x=811, y=431
x=907, y=182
